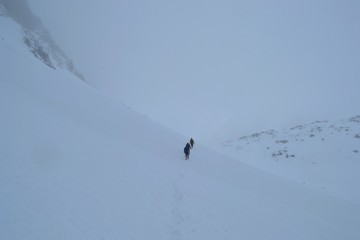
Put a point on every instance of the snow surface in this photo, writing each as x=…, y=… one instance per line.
x=76, y=165
x=324, y=155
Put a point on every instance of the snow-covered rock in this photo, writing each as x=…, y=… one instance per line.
x=322, y=154
x=35, y=36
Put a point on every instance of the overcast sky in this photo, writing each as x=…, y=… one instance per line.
x=203, y=67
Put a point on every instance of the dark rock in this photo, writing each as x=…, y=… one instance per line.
x=38, y=50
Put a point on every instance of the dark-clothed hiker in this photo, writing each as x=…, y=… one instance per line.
x=187, y=151
x=192, y=143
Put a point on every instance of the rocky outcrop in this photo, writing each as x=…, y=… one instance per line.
x=36, y=37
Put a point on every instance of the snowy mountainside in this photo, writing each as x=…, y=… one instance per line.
x=76, y=165
x=323, y=154
x=34, y=35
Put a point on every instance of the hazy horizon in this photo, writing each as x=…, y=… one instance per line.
x=204, y=67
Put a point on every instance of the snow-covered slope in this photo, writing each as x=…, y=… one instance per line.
x=324, y=155
x=76, y=165
x=35, y=36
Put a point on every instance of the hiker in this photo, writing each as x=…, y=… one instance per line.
x=192, y=143
x=187, y=151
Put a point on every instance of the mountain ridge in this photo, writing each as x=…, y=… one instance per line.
x=36, y=37
x=321, y=154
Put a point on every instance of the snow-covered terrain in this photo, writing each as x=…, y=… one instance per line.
x=324, y=155
x=76, y=165
x=36, y=37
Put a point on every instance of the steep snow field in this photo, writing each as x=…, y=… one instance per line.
x=324, y=155
x=76, y=165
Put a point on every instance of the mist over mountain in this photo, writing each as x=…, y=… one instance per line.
x=36, y=37
x=252, y=64
x=19, y=10
x=74, y=164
